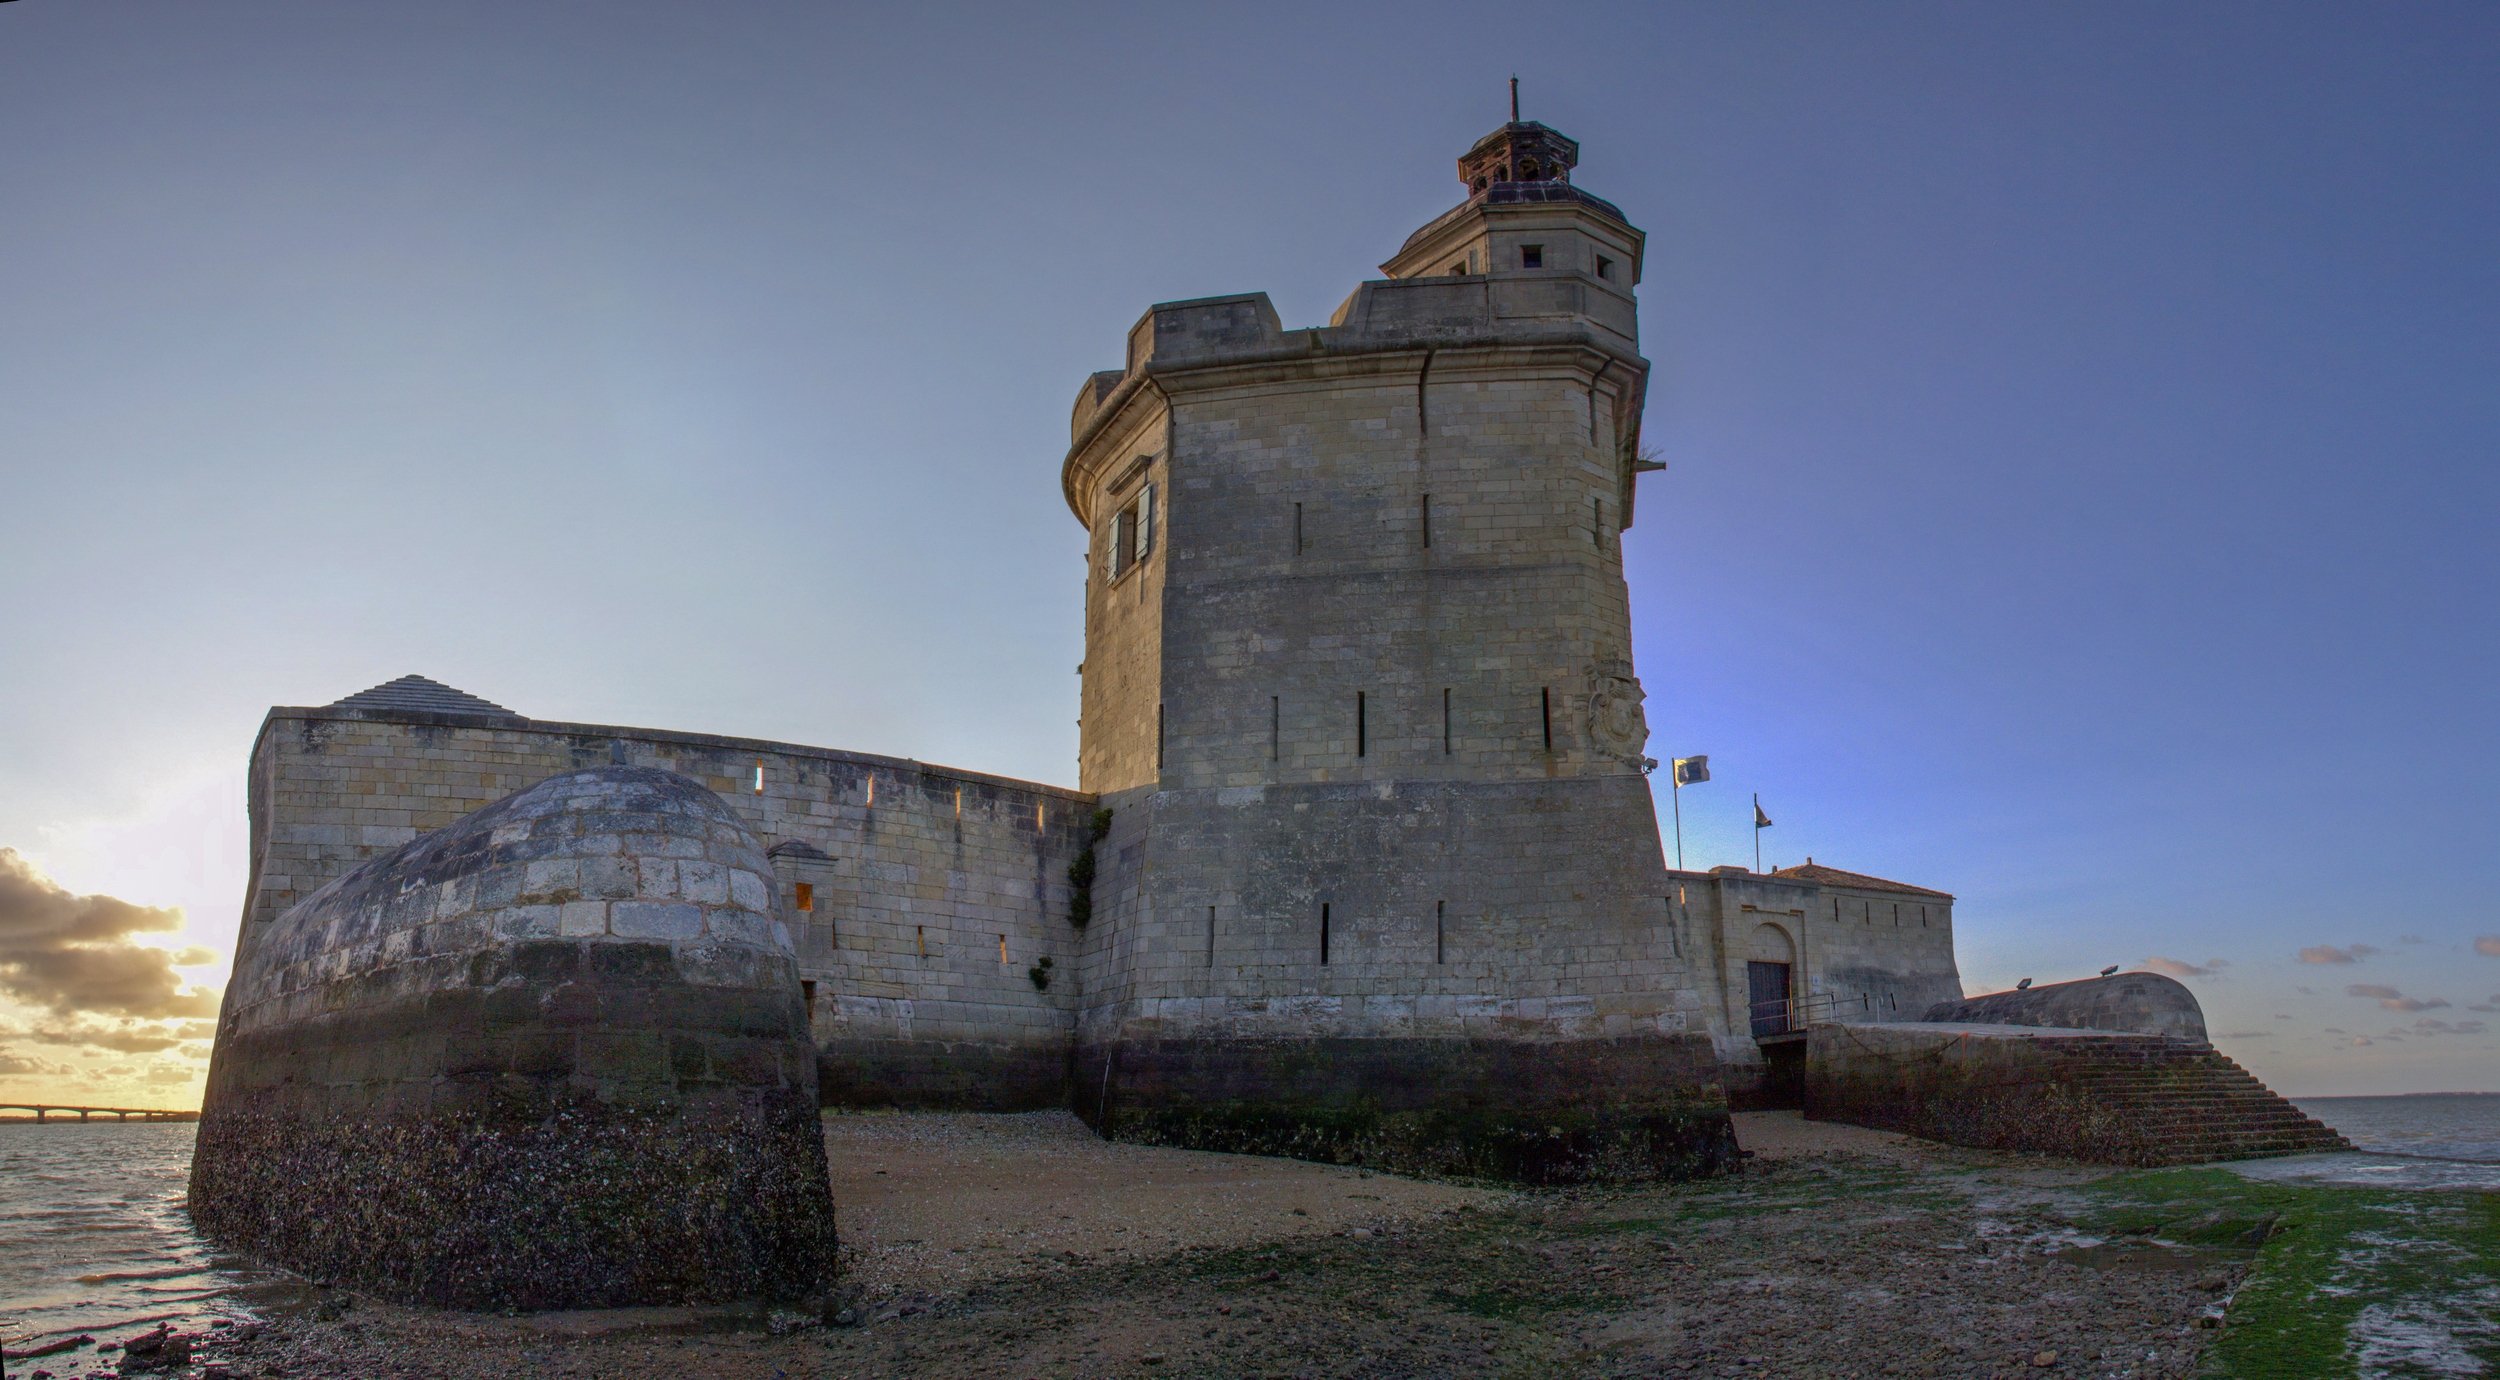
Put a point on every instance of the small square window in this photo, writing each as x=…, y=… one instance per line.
x=1532, y=256
x=1605, y=267
x=803, y=898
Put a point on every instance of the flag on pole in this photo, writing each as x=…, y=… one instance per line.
x=1689, y=770
x=1760, y=820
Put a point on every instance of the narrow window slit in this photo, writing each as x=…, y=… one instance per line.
x=1445, y=721
x=1297, y=529
x=1323, y=931
x=1545, y=708
x=1275, y=726
x=1362, y=729
x=1440, y=931
x=1427, y=516
x=759, y=776
x=1210, y=936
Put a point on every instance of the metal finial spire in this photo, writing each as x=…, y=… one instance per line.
x=1514, y=99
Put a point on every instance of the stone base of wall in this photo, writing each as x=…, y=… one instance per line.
x=2089, y=1095
x=578, y=1205
x=554, y=1056
x=942, y=1075
x=1577, y=1111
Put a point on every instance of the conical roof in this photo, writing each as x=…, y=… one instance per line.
x=416, y=693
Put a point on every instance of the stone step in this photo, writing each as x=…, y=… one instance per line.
x=2159, y=1102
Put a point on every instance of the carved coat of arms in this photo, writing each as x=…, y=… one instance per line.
x=1617, y=726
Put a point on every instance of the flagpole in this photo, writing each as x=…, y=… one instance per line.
x=1757, y=831
x=1675, y=792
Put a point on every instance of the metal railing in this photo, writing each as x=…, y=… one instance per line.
x=1796, y=1015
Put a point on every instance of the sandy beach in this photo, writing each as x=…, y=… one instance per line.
x=1022, y=1245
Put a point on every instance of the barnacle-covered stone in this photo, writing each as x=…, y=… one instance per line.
x=553, y=1056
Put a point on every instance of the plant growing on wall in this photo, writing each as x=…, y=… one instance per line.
x=1040, y=973
x=1081, y=872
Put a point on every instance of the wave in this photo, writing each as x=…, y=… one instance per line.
x=173, y=1272
x=2369, y=1149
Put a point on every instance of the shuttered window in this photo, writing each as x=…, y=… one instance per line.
x=1133, y=532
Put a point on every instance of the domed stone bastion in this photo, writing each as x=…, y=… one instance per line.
x=552, y=1056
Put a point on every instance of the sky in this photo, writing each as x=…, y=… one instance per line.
x=2080, y=426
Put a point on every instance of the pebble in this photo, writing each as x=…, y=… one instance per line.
x=2044, y=1360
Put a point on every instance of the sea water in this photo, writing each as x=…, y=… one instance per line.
x=2423, y=1140
x=2447, y=1126
x=95, y=1238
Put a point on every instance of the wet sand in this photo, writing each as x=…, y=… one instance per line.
x=1005, y=1246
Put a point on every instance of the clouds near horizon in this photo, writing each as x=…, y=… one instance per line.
x=2181, y=968
x=15, y=1065
x=74, y=955
x=2328, y=953
x=127, y=1037
x=2392, y=999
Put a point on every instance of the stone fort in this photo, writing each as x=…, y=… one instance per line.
x=1358, y=697
x=1363, y=861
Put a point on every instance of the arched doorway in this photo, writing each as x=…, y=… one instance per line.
x=1770, y=976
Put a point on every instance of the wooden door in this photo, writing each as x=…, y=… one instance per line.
x=1767, y=986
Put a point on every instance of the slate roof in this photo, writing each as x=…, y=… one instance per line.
x=1812, y=871
x=419, y=695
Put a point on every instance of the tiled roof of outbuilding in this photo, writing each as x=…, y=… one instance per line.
x=419, y=695
x=1812, y=871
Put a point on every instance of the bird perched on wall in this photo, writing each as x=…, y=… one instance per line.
x=2105, y=972
x=2023, y=985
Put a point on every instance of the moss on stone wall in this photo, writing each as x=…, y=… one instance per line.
x=1541, y=1112
x=1570, y=1145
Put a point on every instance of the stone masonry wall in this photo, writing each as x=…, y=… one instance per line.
x=1392, y=599
x=1122, y=693
x=2103, y=1096
x=552, y=1056
x=918, y=874
x=1859, y=954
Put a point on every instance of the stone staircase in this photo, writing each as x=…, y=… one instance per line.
x=2170, y=1101
x=2105, y=1097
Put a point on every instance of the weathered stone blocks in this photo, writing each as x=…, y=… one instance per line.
x=2103, y=1096
x=1529, y=1111
x=2143, y=1003
x=471, y=1073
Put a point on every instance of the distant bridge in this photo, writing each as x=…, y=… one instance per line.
x=45, y=1112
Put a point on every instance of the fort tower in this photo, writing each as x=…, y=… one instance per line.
x=1358, y=687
